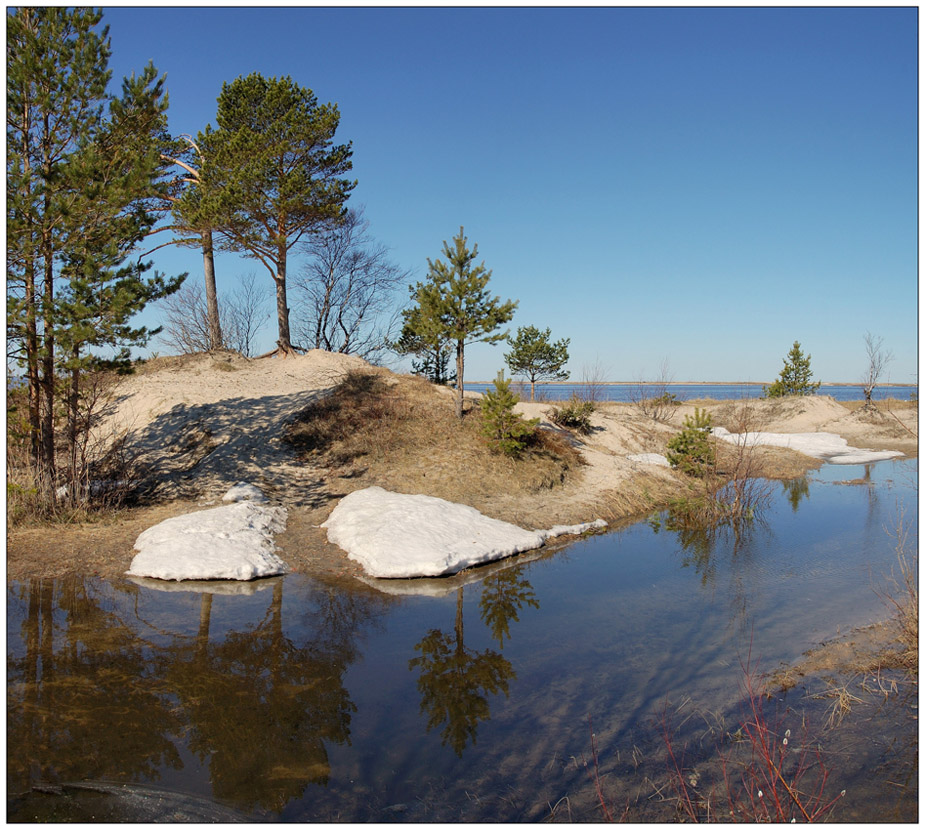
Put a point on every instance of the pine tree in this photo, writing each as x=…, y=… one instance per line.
x=534, y=356
x=455, y=304
x=795, y=378
x=431, y=348
x=690, y=450
x=506, y=431
x=183, y=197
x=81, y=173
x=56, y=80
x=273, y=174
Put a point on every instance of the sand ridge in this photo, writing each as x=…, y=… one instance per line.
x=201, y=424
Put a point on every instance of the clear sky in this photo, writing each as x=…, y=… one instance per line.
x=701, y=186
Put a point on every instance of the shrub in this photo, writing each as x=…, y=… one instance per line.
x=507, y=432
x=576, y=414
x=690, y=450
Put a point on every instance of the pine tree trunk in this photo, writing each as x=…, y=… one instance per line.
x=32, y=363
x=46, y=465
x=284, y=343
x=30, y=296
x=73, y=399
x=460, y=360
x=216, y=341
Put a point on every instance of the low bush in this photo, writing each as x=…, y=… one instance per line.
x=769, y=773
x=506, y=431
x=690, y=451
x=575, y=414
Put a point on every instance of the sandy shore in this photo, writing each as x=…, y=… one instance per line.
x=203, y=423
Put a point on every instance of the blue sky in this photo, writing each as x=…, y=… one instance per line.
x=696, y=186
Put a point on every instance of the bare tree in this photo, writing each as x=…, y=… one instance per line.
x=346, y=294
x=653, y=399
x=877, y=360
x=593, y=378
x=245, y=313
x=188, y=323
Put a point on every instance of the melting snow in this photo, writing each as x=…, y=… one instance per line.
x=825, y=445
x=649, y=458
x=396, y=535
x=242, y=491
x=230, y=542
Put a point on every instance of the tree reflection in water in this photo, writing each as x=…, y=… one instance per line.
x=455, y=681
x=87, y=699
x=91, y=698
x=796, y=489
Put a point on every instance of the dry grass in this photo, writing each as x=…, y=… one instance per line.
x=401, y=433
x=107, y=470
x=902, y=594
x=889, y=404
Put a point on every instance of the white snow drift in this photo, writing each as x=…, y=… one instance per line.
x=397, y=535
x=230, y=542
x=825, y=445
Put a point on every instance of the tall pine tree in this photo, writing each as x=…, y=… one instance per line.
x=454, y=303
x=56, y=81
x=81, y=174
x=273, y=174
x=182, y=196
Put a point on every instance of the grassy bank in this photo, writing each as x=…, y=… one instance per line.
x=401, y=433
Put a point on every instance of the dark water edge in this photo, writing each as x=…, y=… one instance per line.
x=466, y=699
x=629, y=392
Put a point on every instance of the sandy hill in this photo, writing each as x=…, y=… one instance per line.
x=202, y=423
x=199, y=424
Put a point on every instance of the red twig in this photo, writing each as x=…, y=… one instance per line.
x=597, y=775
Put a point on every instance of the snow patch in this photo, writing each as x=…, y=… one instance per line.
x=230, y=542
x=242, y=491
x=824, y=445
x=649, y=458
x=573, y=530
x=396, y=535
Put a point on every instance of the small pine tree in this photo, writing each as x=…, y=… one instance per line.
x=536, y=357
x=690, y=450
x=506, y=431
x=431, y=349
x=455, y=305
x=795, y=377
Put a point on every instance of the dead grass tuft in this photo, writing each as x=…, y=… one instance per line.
x=401, y=433
x=889, y=404
x=902, y=594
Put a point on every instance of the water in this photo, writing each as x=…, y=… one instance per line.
x=445, y=700
x=626, y=393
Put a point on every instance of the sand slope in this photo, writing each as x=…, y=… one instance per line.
x=202, y=423
x=209, y=422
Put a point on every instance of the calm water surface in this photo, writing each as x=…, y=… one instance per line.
x=625, y=393
x=444, y=700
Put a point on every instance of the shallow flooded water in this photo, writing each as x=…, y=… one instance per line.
x=464, y=699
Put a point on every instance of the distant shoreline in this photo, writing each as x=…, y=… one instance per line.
x=678, y=383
